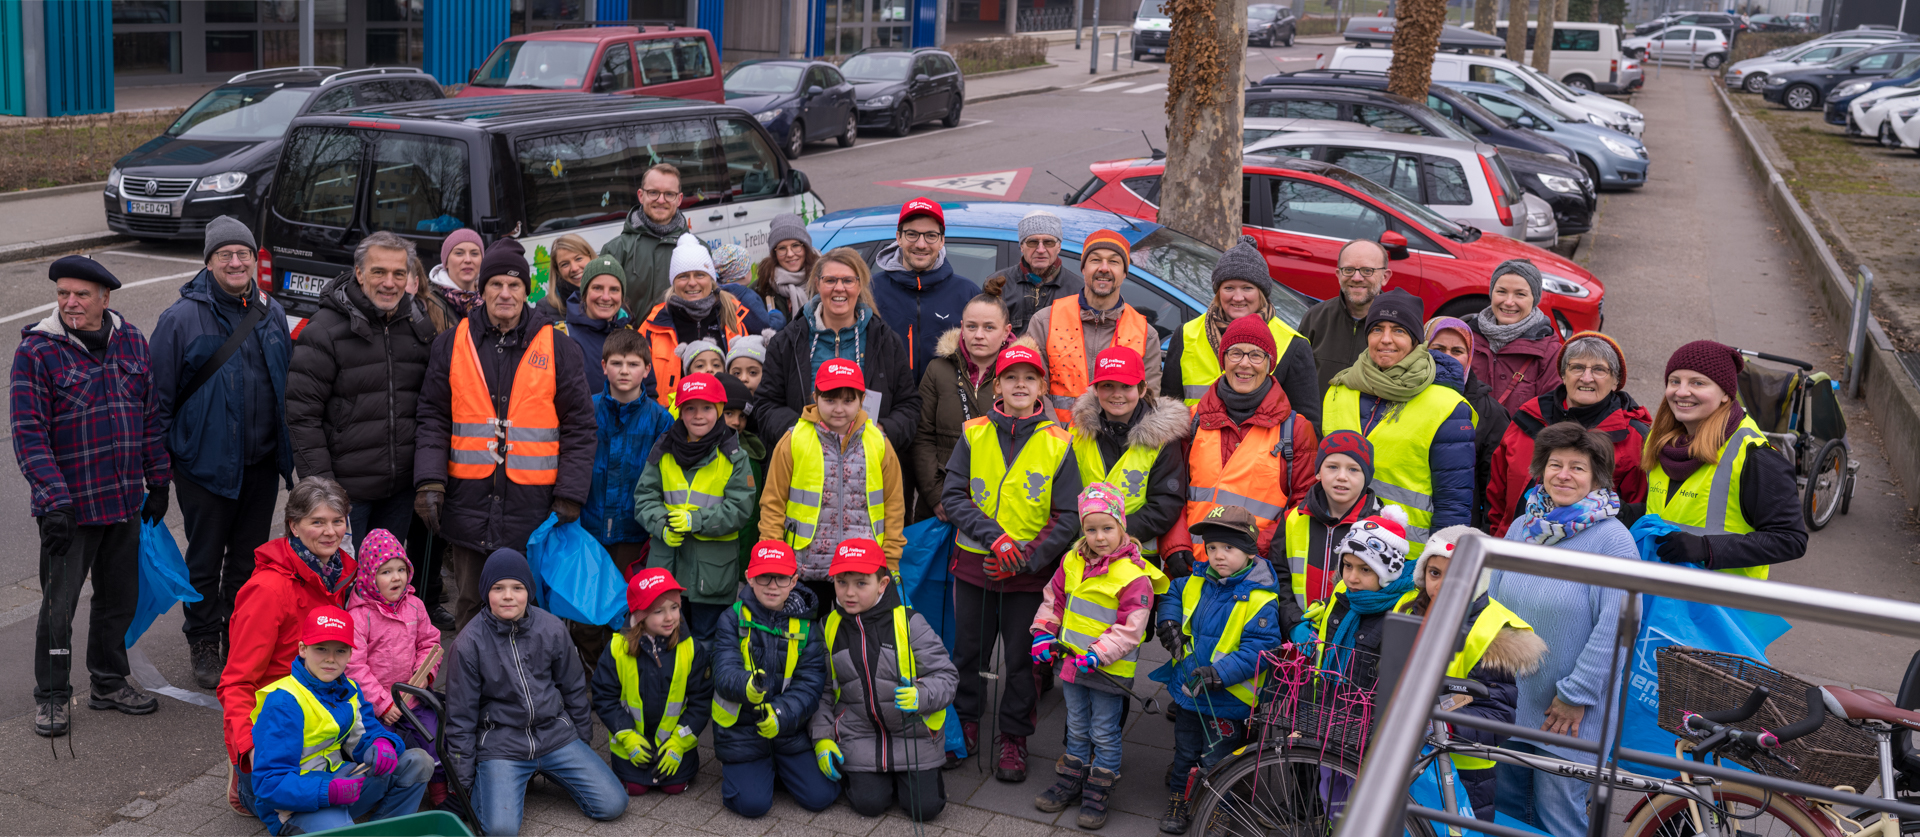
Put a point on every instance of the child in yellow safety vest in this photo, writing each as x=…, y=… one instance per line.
x=653, y=690
x=1095, y=613
x=889, y=681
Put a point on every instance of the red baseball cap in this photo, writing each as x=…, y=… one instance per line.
x=326, y=623
x=922, y=206
x=839, y=373
x=772, y=558
x=1119, y=364
x=1015, y=355
x=647, y=587
x=857, y=555
x=701, y=387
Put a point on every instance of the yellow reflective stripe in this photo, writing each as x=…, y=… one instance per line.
x=1200, y=365
x=1406, y=497
x=324, y=746
x=1243, y=612
x=629, y=673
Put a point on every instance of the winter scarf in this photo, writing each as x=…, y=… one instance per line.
x=1118, y=431
x=1546, y=524
x=1591, y=414
x=1398, y=383
x=791, y=285
x=327, y=568
x=694, y=310
x=1242, y=405
x=1363, y=603
x=1217, y=321
x=1676, y=458
x=1498, y=336
x=669, y=231
x=690, y=453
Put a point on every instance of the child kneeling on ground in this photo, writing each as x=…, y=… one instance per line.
x=1103, y=574
x=653, y=690
x=890, y=681
x=303, y=781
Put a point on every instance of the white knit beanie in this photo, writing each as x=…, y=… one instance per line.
x=689, y=254
x=1442, y=543
x=1380, y=542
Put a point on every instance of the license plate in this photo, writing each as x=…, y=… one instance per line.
x=305, y=284
x=149, y=208
x=1156, y=50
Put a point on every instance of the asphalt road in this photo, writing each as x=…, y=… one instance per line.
x=1694, y=254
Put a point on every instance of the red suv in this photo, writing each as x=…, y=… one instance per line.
x=648, y=60
x=1303, y=211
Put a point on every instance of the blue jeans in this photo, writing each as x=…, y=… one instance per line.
x=746, y=787
x=381, y=797
x=500, y=786
x=1551, y=803
x=1094, y=722
x=1201, y=740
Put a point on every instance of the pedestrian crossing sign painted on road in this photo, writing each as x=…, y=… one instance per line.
x=1005, y=185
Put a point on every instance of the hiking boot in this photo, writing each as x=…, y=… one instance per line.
x=1093, y=798
x=1066, y=789
x=440, y=618
x=50, y=719
x=970, y=736
x=1011, y=766
x=1179, y=815
x=125, y=699
x=207, y=662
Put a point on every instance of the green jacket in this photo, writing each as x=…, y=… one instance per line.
x=756, y=451
x=648, y=258
x=709, y=570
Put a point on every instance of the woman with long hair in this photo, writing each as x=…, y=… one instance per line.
x=781, y=278
x=568, y=258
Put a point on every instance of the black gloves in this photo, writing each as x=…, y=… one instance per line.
x=568, y=510
x=1205, y=677
x=1684, y=548
x=1177, y=563
x=427, y=503
x=1170, y=635
x=57, y=530
x=156, y=506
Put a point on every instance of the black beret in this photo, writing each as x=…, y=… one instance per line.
x=81, y=267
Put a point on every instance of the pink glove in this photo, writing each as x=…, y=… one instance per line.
x=1086, y=661
x=384, y=758
x=344, y=791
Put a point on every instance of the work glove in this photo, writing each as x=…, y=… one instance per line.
x=906, y=698
x=827, y=755
x=1313, y=611
x=667, y=762
x=769, y=725
x=155, y=509
x=1204, y=677
x=672, y=537
x=344, y=791
x=1303, y=633
x=427, y=502
x=680, y=520
x=1683, y=548
x=1177, y=563
x=1086, y=662
x=1042, y=651
x=639, y=749
x=57, y=530
x=757, y=686
x=1171, y=637
x=1005, y=558
x=567, y=510
x=385, y=760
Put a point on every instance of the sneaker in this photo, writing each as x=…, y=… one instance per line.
x=1178, y=816
x=953, y=761
x=125, y=699
x=207, y=662
x=635, y=788
x=1011, y=766
x=233, y=793
x=50, y=719
x=440, y=618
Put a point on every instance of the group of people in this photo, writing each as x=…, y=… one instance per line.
x=749, y=443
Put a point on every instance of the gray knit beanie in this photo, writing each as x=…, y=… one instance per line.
x=1040, y=222
x=1243, y=262
x=1522, y=268
x=787, y=227
x=226, y=230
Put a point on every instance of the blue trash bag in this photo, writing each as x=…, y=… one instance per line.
x=1667, y=622
x=163, y=578
x=1425, y=790
x=578, y=581
x=924, y=579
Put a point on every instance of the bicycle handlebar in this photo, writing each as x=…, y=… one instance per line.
x=1755, y=699
x=1816, y=715
x=1777, y=359
x=1719, y=734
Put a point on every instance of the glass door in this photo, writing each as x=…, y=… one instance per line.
x=854, y=25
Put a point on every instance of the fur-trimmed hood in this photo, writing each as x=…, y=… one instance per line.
x=1517, y=651
x=1165, y=423
x=948, y=345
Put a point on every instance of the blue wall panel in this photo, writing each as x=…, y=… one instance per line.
x=611, y=10
x=79, y=57
x=13, y=83
x=460, y=33
x=817, y=28
x=713, y=19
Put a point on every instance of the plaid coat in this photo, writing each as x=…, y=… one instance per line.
x=86, y=430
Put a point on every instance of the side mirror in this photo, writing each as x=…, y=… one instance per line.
x=797, y=183
x=603, y=81
x=815, y=91
x=473, y=74
x=1395, y=244
x=921, y=78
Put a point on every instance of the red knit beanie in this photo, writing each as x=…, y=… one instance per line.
x=1253, y=331
x=1619, y=354
x=1719, y=362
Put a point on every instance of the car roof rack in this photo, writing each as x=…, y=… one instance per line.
x=251, y=74
x=372, y=71
x=637, y=24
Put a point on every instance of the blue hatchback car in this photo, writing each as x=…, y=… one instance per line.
x=1614, y=160
x=1171, y=280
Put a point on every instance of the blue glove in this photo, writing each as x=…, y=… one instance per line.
x=1303, y=633
x=1086, y=661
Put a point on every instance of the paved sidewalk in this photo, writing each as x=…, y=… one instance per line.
x=60, y=221
x=1067, y=67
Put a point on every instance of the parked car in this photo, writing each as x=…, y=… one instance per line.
x=798, y=101
x=1878, y=36
x=1487, y=128
x=1612, y=159
x=1152, y=30
x=608, y=57
x=1726, y=24
x=1806, y=88
x=1840, y=99
x=1773, y=23
x=1689, y=45
x=218, y=158
x=1585, y=55
x=1806, y=22
x=1906, y=128
x=1303, y=211
x=532, y=167
x=1429, y=171
x=1751, y=75
x=1594, y=107
x=1255, y=129
x=1468, y=67
x=1270, y=24
x=1870, y=114
x=896, y=89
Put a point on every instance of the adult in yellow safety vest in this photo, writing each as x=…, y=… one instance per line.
x=1241, y=288
x=1406, y=400
x=1127, y=437
x=1712, y=474
x=1072, y=331
x=653, y=688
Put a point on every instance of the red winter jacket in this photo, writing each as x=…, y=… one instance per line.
x=1522, y=371
x=264, y=633
x=1211, y=414
x=1511, y=473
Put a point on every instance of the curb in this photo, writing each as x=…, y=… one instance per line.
x=49, y=246
x=1889, y=390
x=1012, y=71
x=1111, y=76
x=52, y=191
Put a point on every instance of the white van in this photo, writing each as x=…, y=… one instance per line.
x=1457, y=67
x=1586, y=56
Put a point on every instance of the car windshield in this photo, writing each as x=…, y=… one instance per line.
x=1907, y=68
x=241, y=113
x=764, y=78
x=1420, y=214
x=1534, y=105
x=1553, y=87
x=887, y=66
x=1187, y=264
x=536, y=65
x=1152, y=8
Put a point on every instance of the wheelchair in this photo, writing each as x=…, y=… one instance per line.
x=1799, y=411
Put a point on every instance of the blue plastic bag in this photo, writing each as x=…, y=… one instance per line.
x=578, y=581
x=924, y=580
x=163, y=578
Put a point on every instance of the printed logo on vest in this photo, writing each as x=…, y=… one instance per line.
x=538, y=360
x=1036, y=482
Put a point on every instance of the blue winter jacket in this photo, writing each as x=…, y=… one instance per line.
x=795, y=700
x=919, y=306
x=627, y=434
x=591, y=335
x=1452, y=456
x=207, y=436
x=1217, y=599
x=756, y=320
x=278, y=735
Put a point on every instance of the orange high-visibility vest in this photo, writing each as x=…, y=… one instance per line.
x=662, y=342
x=530, y=434
x=1254, y=478
x=1067, y=351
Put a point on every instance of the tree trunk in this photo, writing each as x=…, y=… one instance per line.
x=1550, y=11
x=1416, y=37
x=1517, y=30
x=1485, y=16
x=1200, y=194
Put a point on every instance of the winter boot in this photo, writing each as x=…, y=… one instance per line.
x=970, y=736
x=1179, y=815
x=1066, y=790
x=1012, y=763
x=50, y=719
x=1093, y=798
x=207, y=662
x=126, y=699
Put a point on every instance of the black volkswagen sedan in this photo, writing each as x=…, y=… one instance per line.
x=896, y=89
x=798, y=101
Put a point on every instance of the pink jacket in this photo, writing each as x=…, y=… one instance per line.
x=387, y=648
x=1130, y=625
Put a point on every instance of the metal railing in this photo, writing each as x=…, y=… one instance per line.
x=1045, y=19
x=1377, y=807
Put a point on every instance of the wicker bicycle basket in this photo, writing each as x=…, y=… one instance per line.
x=1694, y=680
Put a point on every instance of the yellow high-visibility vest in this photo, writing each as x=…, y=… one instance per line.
x=810, y=478
x=1708, y=502
x=1129, y=474
x=1093, y=604
x=1243, y=612
x=903, y=657
x=1200, y=364
x=1401, y=471
x=1023, y=508
x=629, y=670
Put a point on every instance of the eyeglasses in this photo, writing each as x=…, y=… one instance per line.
x=1246, y=356
x=657, y=195
x=232, y=256
x=1581, y=370
x=774, y=582
x=912, y=236
x=1365, y=272
x=1037, y=243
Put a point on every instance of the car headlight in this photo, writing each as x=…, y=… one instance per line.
x=1851, y=88
x=223, y=182
x=1538, y=221
x=113, y=180
x=1561, y=184
x=1776, y=81
x=878, y=101
x=1563, y=286
x=1905, y=114
x=769, y=115
x=1599, y=120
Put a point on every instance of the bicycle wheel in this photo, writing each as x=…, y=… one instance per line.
x=1753, y=811
x=1284, y=791
x=1825, y=483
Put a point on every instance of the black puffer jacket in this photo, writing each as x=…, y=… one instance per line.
x=352, y=389
x=515, y=690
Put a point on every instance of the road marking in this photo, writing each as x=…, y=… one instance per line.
x=1102, y=88
x=153, y=256
x=42, y=309
x=997, y=184
x=939, y=133
x=1148, y=88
